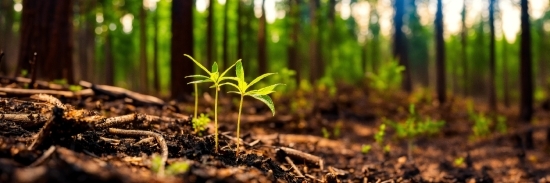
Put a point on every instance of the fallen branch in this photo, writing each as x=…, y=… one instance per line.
x=118, y=92
x=158, y=137
x=26, y=92
x=296, y=170
x=303, y=155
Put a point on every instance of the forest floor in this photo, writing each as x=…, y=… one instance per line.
x=71, y=137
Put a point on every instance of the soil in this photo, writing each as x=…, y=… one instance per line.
x=50, y=146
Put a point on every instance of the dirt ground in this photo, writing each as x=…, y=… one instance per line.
x=72, y=138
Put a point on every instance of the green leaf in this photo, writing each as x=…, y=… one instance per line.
x=177, y=168
x=267, y=100
x=225, y=72
x=200, y=81
x=239, y=71
x=198, y=64
x=268, y=89
x=198, y=76
x=214, y=67
x=259, y=78
x=231, y=84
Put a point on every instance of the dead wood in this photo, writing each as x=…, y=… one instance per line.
x=118, y=92
x=27, y=92
x=303, y=155
x=40, y=83
x=294, y=167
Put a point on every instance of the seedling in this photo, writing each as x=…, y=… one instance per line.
x=215, y=77
x=388, y=76
x=325, y=132
x=413, y=128
x=481, y=125
x=173, y=169
x=242, y=88
x=459, y=161
x=199, y=123
x=365, y=149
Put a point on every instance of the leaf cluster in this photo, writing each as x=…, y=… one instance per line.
x=388, y=76
x=200, y=122
x=414, y=126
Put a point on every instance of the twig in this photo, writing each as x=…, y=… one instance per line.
x=49, y=99
x=68, y=94
x=33, y=70
x=306, y=156
x=115, y=121
x=44, y=156
x=158, y=137
x=118, y=92
x=143, y=141
x=27, y=119
x=296, y=170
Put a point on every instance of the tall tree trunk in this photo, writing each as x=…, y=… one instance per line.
x=109, y=60
x=293, y=27
x=313, y=57
x=225, y=35
x=492, y=65
x=182, y=43
x=240, y=29
x=51, y=40
x=526, y=73
x=210, y=47
x=90, y=41
x=143, y=71
x=506, y=82
x=262, y=46
x=440, y=55
x=156, y=79
x=400, y=44
x=464, y=52
x=7, y=37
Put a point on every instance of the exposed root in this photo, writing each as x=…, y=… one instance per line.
x=158, y=137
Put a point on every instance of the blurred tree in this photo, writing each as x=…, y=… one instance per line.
x=262, y=31
x=86, y=39
x=374, y=30
x=156, y=79
x=464, y=52
x=109, y=63
x=51, y=41
x=526, y=76
x=240, y=29
x=182, y=43
x=6, y=31
x=400, y=43
x=440, y=54
x=225, y=43
x=210, y=42
x=418, y=40
x=505, y=72
x=293, y=27
x=492, y=65
x=143, y=83
x=314, y=64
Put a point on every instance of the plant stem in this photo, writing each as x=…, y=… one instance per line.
x=239, y=124
x=216, y=118
x=196, y=100
x=409, y=149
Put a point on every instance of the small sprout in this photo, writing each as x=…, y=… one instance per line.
x=242, y=88
x=379, y=136
x=387, y=148
x=156, y=163
x=365, y=149
x=199, y=123
x=481, y=125
x=325, y=132
x=75, y=88
x=213, y=77
x=177, y=168
x=24, y=73
x=459, y=161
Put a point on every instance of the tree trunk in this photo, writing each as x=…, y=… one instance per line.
x=440, y=55
x=225, y=35
x=90, y=42
x=6, y=33
x=526, y=75
x=400, y=44
x=143, y=71
x=313, y=54
x=464, y=52
x=239, y=30
x=492, y=74
x=262, y=46
x=51, y=41
x=210, y=47
x=182, y=43
x=109, y=60
x=293, y=62
x=506, y=83
x=156, y=79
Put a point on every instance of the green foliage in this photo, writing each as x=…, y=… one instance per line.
x=481, y=127
x=173, y=169
x=459, y=161
x=325, y=132
x=214, y=77
x=200, y=122
x=414, y=127
x=60, y=81
x=24, y=73
x=379, y=136
x=337, y=129
x=286, y=76
x=388, y=76
x=242, y=87
x=75, y=88
x=365, y=148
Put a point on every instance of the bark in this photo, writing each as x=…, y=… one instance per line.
x=440, y=55
x=156, y=79
x=143, y=71
x=182, y=43
x=400, y=44
x=51, y=41
x=262, y=46
x=464, y=53
x=294, y=27
x=210, y=47
x=526, y=73
x=492, y=74
x=225, y=35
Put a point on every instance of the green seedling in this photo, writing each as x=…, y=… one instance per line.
x=388, y=76
x=199, y=123
x=75, y=88
x=501, y=127
x=325, y=132
x=173, y=169
x=379, y=136
x=365, y=148
x=481, y=126
x=413, y=128
x=242, y=87
x=459, y=161
x=213, y=77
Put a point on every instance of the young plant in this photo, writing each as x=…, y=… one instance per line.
x=365, y=148
x=173, y=169
x=199, y=123
x=325, y=132
x=242, y=88
x=214, y=77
